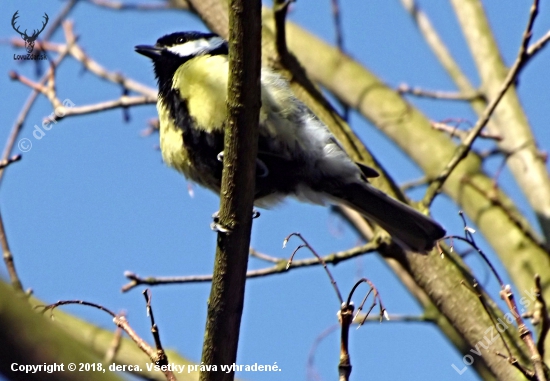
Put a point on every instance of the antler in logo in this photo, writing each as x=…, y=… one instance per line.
x=29, y=40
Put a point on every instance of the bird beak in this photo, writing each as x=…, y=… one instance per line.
x=149, y=51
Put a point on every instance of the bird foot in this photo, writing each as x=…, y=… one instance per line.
x=260, y=165
x=217, y=227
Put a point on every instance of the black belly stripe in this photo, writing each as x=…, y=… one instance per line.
x=179, y=110
x=202, y=147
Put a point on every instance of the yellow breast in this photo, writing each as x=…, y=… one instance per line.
x=171, y=141
x=203, y=83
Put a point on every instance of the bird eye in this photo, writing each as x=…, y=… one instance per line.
x=180, y=40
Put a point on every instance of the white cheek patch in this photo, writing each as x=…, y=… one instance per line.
x=196, y=47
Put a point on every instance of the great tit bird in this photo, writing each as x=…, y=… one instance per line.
x=297, y=155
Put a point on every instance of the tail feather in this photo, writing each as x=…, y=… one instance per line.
x=406, y=225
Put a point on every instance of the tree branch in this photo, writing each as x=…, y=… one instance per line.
x=281, y=266
x=226, y=300
x=509, y=118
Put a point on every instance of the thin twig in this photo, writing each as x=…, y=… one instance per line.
x=438, y=47
x=312, y=250
x=337, y=18
x=121, y=6
x=264, y=257
x=114, y=77
x=545, y=317
x=121, y=322
x=123, y=101
x=415, y=183
x=539, y=316
x=524, y=333
x=52, y=307
x=16, y=129
x=114, y=346
x=8, y=258
x=149, y=95
x=393, y=318
x=529, y=374
x=6, y=162
x=49, y=91
x=512, y=216
x=475, y=290
x=346, y=318
x=444, y=95
x=18, y=125
x=46, y=46
x=89, y=64
x=538, y=45
x=56, y=23
x=338, y=31
x=383, y=312
x=510, y=358
x=461, y=134
x=508, y=297
x=480, y=252
x=279, y=268
x=161, y=358
x=464, y=148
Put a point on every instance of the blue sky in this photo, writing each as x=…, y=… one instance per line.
x=93, y=199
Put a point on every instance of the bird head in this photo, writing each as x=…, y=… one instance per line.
x=173, y=50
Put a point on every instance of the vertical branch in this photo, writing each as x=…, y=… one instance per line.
x=346, y=318
x=226, y=300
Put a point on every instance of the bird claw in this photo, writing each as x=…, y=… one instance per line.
x=217, y=227
x=264, y=171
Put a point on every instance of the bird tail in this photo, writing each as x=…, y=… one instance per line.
x=407, y=226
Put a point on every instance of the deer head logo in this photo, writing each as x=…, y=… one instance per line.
x=29, y=40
